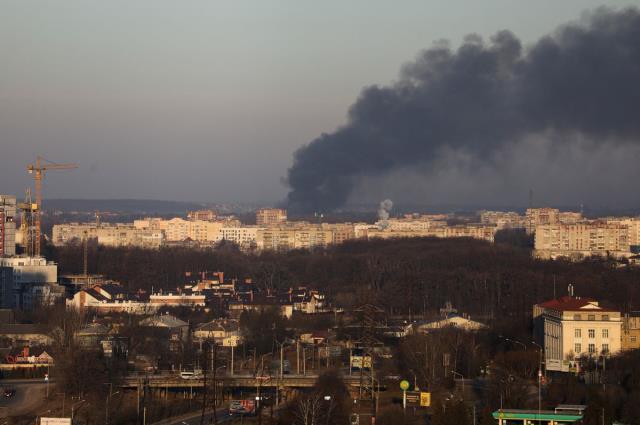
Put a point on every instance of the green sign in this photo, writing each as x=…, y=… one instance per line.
x=404, y=385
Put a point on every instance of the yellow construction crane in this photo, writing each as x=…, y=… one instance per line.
x=38, y=170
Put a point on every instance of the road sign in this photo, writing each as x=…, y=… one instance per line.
x=55, y=421
x=404, y=385
x=425, y=399
x=413, y=397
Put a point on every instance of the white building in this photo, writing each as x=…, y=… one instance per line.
x=571, y=327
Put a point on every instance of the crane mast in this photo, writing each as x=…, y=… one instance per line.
x=38, y=170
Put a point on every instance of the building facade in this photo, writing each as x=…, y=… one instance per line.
x=581, y=240
x=7, y=225
x=270, y=216
x=571, y=327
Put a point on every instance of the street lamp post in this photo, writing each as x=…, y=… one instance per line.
x=539, y=380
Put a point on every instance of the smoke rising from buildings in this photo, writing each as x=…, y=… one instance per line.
x=479, y=101
x=384, y=209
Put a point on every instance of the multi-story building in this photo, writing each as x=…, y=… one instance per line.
x=202, y=215
x=243, y=236
x=540, y=216
x=7, y=225
x=631, y=331
x=284, y=238
x=633, y=230
x=34, y=282
x=502, y=219
x=107, y=234
x=270, y=216
x=7, y=299
x=581, y=240
x=571, y=327
x=341, y=232
x=476, y=231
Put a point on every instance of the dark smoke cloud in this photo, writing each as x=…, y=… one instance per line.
x=582, y=81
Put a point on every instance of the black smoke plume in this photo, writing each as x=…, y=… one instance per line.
x=584, y=80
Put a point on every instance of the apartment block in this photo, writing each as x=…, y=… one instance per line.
x=286, y=238
x=571, y=327
x=7, y=225
x=581, y=240
x=270, y=216
x=107, y=234
x=475, y=231
x=503, y=220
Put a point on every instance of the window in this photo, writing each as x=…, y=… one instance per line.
x=633, y=339
x=605, y=333
x=592, y=348
x=578, y=349
x=605, y=348
x=591, y=317
x=592, y=333
x=578, y=333
x=605, y=317
x=577, y=317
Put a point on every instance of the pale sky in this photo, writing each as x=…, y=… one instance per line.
x=206, y=100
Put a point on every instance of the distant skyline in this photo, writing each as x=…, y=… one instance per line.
x=207, y=101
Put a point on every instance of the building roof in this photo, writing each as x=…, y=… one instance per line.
x=224, y=325
x=19, y=328
x=568, y=303
x=164, y=321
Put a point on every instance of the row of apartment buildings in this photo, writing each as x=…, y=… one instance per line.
x=570, y=235
x=272, y=234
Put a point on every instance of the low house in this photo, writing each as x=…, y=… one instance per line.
x=315, y=337
x=26, y=334
x=90, y=335
x=177, y=328
x=261, y=303
x=451, y=320
x=225, y=332
x=105, y=299
x=33, y=356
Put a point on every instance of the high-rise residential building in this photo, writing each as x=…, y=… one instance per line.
x=35, y=281
x=503, y=219
x=582, y=240
x=270, y=216
x=202, y=215
x=572, y=327
x=107, y=234
x=538, y=216
x=633, y=230
x=282, y=238
x=7, y=225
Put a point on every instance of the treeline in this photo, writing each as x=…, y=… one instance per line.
x=410, y=277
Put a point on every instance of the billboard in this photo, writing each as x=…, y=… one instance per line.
x=358, y=361
x=244, y=407
x=55, y=421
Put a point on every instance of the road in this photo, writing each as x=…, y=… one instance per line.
x=29, y=397
x=194, y=419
